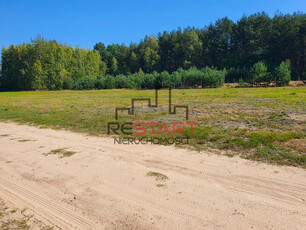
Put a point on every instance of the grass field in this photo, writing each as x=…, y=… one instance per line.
x=265, y=124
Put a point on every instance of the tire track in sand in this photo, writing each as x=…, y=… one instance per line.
x=46, y=208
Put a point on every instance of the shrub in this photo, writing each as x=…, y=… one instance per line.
x=212, y=77
x=68, y=83
x=134, y=81
x=206, y=77
x=241, y=82
x=148, y=81
x=85, y=83
x=109, y=82
x=121, y=81
x=259, y=72
x=283, y=73
x=99, y=84
x=176, y=78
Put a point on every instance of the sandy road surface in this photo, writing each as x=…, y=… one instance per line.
x=105, y=186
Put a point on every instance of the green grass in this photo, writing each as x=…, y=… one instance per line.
x=13, y=210
x=15, y=224
x=61, y=152
x=277, y=155
x=8, y=221
x=244, y=121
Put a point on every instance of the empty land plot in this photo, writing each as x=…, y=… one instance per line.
x=265, y=124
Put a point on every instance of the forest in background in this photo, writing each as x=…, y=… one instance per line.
x=256, y=48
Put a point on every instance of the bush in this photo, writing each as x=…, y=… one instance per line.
x=109, y=82
x=206, y=77
x=68, y=83
x=283, y=73
x=212, y=77
x=191, y=78
x=85, y=83
x=148, y=81
x=259, y=72
x=121, y=81
x=241, y=81
x=134, y=81
x=176, y=78
x=166, y=79
x=99, y=84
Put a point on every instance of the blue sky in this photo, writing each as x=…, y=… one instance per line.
x=85, y=23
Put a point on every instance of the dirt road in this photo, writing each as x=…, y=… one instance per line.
x=107, y=186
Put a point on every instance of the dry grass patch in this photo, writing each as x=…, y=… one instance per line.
x=158, y=176
x=14, y=219
x=24, y=140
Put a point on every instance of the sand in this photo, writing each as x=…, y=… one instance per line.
x=106, y=186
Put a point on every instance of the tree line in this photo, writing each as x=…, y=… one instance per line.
x=253, y=49
x=45, y=64
x=224, y=44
